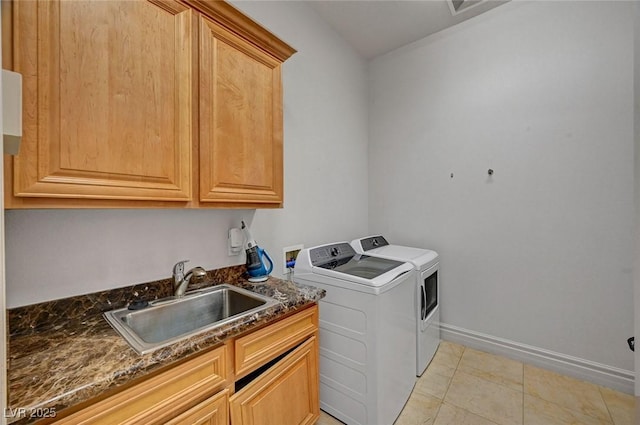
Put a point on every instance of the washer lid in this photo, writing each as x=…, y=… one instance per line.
x=379, y=247
x=363, y=266
x=341, y=261
x=405, y=253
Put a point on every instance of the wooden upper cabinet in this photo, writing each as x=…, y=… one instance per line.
x=240, y=120
x=108, y=100
x=114, y=92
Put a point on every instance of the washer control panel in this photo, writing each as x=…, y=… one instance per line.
x=373, y=242
x=328, y=253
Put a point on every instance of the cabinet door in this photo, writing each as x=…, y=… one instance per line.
x=108, y=104
x=212, y=411
x=240, y=120
x=162, y=397
x=286, y=394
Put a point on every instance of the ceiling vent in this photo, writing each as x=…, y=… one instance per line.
x=459, y=6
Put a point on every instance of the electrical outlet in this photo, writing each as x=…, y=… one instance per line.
x=289, y=255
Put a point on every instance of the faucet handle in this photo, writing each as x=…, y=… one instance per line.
x=178, y=269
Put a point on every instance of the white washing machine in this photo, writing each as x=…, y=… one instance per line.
x=426, y=264
x=367, y=332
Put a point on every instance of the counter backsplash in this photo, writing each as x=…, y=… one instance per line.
x=51, y=314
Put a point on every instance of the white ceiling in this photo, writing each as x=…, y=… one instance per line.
x=375, y=27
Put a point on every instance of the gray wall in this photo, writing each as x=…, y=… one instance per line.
x=541, y=253
x=53, y=254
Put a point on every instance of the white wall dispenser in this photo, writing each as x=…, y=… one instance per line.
x=11, y=111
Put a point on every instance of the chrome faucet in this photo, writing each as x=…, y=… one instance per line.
x=181, y=279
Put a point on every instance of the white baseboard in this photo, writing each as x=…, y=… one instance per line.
x=598, y=373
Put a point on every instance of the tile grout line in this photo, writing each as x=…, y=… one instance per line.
x=570, y=409
x=448, y=385
x=450, y=381
x=524, y=393
x=464, y=348
x=613, y=422
x=486, y=380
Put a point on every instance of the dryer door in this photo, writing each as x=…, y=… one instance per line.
x=428, y=295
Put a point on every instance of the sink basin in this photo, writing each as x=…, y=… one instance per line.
x=172, y=319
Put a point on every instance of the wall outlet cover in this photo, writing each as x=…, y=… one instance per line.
x=289, y=254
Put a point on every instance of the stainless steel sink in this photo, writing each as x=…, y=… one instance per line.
x=169, y=320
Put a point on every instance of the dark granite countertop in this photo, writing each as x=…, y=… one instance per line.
x=66, y=363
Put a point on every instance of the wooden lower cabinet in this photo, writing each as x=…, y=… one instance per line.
x=212, y=411
x=158, y=399
x=275, y=379
x=286, y=394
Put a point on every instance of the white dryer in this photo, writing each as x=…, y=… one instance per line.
x=367, y=332
x=426, y=263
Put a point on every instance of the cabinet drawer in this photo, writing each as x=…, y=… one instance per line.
x=259, y=347
x=212, y=411
x=160, y=398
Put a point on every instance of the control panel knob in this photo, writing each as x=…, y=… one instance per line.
x=335, y=251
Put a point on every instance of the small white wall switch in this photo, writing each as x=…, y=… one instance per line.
x=234, y=241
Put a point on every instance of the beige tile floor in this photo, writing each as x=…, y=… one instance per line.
x=463, y=386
